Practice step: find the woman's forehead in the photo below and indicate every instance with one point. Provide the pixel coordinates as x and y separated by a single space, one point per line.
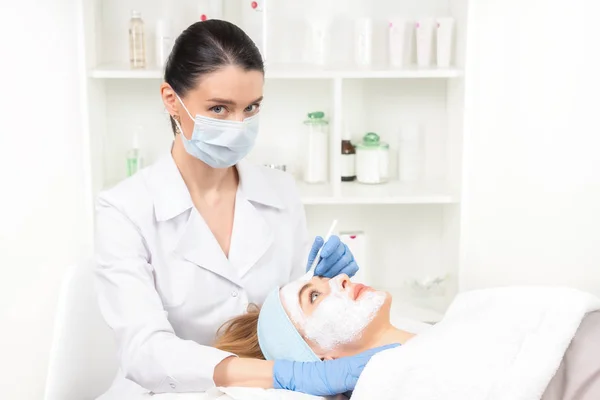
291 290
232 82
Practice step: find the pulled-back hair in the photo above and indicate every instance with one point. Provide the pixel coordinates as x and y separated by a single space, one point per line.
239 335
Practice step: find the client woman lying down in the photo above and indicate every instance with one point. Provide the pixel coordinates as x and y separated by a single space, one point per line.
314 320
486 338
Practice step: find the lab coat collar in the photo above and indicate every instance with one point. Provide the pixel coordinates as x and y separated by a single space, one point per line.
171 196
256 185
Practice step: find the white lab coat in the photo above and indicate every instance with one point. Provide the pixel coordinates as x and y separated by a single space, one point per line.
163 282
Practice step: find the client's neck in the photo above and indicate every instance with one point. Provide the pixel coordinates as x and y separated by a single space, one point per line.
390 335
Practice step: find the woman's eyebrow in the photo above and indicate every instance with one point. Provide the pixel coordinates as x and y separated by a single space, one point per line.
222 101
231 102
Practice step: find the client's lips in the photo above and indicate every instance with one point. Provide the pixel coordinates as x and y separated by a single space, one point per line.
359 288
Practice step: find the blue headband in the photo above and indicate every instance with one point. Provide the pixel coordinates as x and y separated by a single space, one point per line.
277 336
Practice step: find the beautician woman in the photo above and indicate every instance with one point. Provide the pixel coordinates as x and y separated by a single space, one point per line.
189 242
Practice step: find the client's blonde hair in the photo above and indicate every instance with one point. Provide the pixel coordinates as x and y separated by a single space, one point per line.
239 335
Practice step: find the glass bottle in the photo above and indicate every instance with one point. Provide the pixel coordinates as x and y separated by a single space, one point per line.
137 45
348 159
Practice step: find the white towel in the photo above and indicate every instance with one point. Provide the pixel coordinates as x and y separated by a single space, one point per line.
240 393
493 344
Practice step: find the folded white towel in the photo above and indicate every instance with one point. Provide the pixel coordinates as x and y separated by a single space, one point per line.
239 393
500 344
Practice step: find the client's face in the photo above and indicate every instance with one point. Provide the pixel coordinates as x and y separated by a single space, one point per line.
336 317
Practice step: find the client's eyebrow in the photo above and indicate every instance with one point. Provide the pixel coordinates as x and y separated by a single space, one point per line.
306 286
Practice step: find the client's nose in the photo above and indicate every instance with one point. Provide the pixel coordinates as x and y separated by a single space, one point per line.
344 281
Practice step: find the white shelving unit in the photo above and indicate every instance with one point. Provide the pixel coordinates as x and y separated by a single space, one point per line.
413 229
295 72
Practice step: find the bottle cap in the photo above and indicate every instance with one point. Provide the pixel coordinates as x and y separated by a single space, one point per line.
316 115
136 14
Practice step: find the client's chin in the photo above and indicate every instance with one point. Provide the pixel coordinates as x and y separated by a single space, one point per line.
367 339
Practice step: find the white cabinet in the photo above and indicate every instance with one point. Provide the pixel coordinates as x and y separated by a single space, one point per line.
412 228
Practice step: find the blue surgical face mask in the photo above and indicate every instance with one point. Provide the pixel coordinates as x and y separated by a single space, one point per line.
220 143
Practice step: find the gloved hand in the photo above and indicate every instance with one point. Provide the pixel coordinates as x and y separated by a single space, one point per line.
323 378
336 258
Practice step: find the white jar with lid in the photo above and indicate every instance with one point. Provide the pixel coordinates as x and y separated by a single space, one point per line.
315 156
372 160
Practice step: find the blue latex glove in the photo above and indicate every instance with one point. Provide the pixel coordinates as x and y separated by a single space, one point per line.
323 378
336 258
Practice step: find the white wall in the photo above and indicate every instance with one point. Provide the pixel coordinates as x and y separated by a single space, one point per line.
532 162
42 196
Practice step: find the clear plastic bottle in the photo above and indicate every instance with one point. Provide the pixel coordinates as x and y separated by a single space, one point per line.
137 44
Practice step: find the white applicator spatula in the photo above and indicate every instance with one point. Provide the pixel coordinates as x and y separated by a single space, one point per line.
311 272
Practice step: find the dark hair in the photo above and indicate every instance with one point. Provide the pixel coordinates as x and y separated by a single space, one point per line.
204 47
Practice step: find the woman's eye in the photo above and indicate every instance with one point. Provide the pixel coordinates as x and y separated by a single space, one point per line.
252 108
218 109
313 297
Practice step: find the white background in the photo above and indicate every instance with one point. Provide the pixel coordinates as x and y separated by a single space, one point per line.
41 178
531 201
531 204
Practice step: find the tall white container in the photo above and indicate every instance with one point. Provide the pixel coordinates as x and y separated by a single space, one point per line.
253 16
316 150
425 35
363 41
445 33
317 46
397 39
411 154
164 41
357 243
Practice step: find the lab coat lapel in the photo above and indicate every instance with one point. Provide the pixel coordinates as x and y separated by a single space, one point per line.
199 246
251 237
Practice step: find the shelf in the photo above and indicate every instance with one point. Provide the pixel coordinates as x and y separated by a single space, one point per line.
387 193
295 72
108 72
310 72
315 194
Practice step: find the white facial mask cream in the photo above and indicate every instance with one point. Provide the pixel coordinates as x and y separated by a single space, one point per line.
289 297
338 319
